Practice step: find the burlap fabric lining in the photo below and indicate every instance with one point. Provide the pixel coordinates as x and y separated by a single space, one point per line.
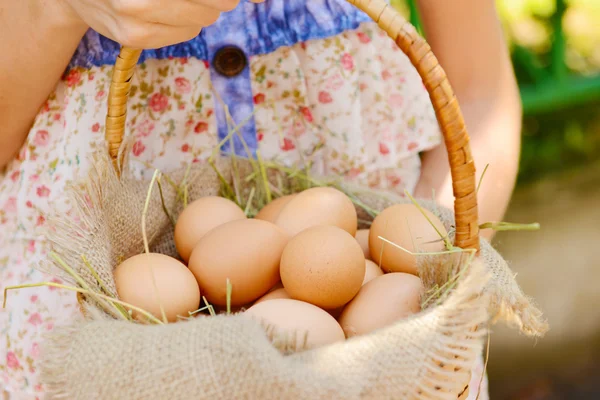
428 356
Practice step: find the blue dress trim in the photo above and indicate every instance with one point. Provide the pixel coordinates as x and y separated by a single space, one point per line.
256 28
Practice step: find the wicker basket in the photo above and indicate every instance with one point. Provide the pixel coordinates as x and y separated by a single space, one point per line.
434 78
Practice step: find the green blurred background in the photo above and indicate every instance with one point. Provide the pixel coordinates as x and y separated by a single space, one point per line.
556 53
555 46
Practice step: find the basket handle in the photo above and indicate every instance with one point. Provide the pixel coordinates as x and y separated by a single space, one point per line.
442 96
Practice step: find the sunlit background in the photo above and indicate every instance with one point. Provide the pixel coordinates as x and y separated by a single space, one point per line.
556 53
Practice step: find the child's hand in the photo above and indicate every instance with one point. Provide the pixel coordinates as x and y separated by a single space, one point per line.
148 24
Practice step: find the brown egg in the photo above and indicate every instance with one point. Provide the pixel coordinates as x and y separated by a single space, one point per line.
362 237
247 252
201 216
317 207
381 302
149 281
278 285
323 265
372 271
275 294
304 325
336 312
406 226
271 211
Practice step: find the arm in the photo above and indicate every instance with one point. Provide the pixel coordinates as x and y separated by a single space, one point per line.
38 40
467 38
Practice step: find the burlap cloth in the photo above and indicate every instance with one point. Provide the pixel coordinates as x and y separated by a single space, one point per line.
428 356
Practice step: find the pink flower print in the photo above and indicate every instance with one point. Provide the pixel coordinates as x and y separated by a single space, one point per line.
49 326
363 37
34 298
386 75
297 129
31 246
138 148
73 77
57 117
181 106
158 102
29 204
394 180
185 148
11 205
412 146
396 100
100 95
384 149
40 220
287 145
96 127
91 76
145 128
182 85
209 113
307 114
206 64
259 98
43 191
347 61
12 361
41 139
35 319
353 173
335 82
54 280
35 351
201 127
325 97
260 136
15 176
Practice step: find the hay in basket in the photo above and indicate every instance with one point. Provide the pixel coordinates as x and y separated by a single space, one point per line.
109 355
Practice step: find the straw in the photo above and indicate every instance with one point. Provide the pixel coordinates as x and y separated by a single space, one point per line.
82 291
147 247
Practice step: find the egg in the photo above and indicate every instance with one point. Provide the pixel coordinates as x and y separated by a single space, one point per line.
275 294
372 271
278 285
324 266
316 207
247 252
406 226
362 237
149 281
271 211
304 325
381 302
201 216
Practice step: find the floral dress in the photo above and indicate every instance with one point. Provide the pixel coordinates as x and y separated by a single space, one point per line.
301 81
